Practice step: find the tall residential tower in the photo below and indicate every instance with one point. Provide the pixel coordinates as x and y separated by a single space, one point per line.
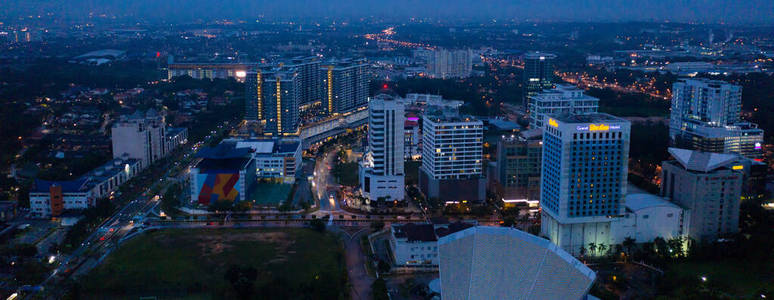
381 171
345 85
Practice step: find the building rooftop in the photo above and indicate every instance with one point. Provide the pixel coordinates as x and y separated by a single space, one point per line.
112 53
501 124
447 114
702 161
539 55
638 201
69 186
427 232
504 263
229 165
267 146
588 118
532 134
416 232
86 181
173 131
224 150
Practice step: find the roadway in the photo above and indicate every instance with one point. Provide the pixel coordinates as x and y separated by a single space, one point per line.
107 236
325 185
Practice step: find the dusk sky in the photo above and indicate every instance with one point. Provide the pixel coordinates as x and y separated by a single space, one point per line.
711 11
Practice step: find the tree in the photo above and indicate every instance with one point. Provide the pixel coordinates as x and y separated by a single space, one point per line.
376 226
318 225
661 247
676 246
31 272
379 290
628 244
221 205
601 248
171 200
242 279
582 251
383 266
593 248
508 221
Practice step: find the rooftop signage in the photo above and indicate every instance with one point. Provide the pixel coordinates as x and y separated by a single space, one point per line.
597 127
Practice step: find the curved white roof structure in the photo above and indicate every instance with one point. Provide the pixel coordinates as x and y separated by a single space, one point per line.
504 263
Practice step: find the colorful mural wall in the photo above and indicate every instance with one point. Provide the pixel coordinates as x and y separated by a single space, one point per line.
217 186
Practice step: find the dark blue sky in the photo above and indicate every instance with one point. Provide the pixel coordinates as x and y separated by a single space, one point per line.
712 11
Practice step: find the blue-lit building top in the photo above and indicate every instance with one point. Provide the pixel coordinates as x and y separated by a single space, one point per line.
584 167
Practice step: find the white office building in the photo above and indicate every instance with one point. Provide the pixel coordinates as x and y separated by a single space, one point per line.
583 178
381 170
141 136
564 99
647 217
274 158
710 186
52 198
417 244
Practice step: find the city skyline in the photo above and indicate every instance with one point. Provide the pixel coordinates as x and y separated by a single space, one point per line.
400 150
691 11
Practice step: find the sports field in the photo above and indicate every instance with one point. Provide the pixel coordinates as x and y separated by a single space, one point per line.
192 264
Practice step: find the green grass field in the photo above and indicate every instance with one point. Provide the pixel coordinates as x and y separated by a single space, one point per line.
741 279
191 264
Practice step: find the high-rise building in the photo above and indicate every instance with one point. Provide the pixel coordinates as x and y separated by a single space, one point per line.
381 170
278 102
740 138
141 136
538 74
443 63
518 167
253 96
346 85
583 178
452 146
706 117
413 138
699 101
564 99
709 185
308 69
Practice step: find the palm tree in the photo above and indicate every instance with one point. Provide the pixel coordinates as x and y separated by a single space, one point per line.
582 251
602 248
676 246
628 243
593 248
